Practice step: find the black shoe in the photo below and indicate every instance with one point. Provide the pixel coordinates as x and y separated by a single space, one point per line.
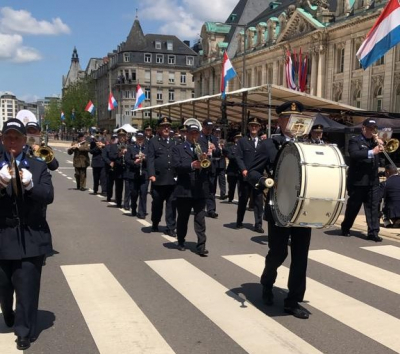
83 189
154 228
296 311
375 238
141 217
23 343
230 200
267 296
9 319
203 253
108 200
169 232
345 232
212 214
250 209
181 248
119 206
134 213
94 193
238 226
223 197
259 229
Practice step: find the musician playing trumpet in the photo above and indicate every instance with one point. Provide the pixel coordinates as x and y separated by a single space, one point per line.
81 160
363 180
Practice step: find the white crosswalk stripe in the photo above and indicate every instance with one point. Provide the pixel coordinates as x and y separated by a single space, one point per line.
380 326
243 323
361 270
110 312
385 250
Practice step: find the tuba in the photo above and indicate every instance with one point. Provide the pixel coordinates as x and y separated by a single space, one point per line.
204 161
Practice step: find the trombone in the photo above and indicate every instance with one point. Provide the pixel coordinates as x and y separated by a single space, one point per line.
389 146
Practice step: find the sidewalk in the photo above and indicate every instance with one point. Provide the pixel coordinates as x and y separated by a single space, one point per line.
361 225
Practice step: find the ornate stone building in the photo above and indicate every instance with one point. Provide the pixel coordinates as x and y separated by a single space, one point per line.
75 72
328 33
161 64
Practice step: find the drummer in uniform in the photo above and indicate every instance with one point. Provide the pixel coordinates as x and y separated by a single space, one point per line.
278 237
315 136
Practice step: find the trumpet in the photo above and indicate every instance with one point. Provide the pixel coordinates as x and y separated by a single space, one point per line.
78 145
141 157
202 157
45 153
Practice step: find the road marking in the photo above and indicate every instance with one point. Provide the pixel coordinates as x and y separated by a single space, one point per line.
143 222
361 270
240 320
379 326
7 338
69 161
69 177
170 238
385 250
115 321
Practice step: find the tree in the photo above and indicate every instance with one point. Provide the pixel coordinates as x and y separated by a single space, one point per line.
74 101
52 116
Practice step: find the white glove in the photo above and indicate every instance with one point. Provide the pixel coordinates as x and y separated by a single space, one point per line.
26 179
5 176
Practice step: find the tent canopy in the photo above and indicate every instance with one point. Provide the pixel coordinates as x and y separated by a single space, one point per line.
330 126
259 99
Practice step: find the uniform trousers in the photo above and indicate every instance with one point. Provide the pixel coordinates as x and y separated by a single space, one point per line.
245 190
127 194
232 181
99 179
159 195
369 196
210 201
138 188
184 207
80 177
278 250
220 178
119 186
23 277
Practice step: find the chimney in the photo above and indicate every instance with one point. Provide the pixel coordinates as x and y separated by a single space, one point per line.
187 43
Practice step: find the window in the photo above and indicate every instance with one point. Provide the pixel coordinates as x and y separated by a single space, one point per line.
340 54
171 59
171 77
147 94
171 95
380 61
133 75
127 94
159 77
379 99
126 75
193 94
189 61
158 45
159 58
170 45
183 78
147 114
159 95
147 58
357 99
357 64
147 76
126 57
127 110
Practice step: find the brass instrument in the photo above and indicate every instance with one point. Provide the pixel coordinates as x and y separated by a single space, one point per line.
16 176
202 157
389 146
45 153
141 157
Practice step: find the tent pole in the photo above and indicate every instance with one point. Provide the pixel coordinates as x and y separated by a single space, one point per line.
269 111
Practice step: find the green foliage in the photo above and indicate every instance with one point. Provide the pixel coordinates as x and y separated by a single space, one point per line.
52 115
74 101
153 123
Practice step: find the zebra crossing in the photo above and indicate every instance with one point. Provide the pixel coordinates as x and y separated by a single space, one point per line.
110 312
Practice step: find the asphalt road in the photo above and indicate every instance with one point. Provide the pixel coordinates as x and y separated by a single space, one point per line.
112 286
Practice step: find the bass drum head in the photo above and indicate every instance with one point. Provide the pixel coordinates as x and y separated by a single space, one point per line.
287 184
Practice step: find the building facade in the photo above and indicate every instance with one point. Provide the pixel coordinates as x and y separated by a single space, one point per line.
8 108
161 64
327 33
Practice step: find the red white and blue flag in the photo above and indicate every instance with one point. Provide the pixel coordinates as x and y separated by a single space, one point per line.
90 107
384 35
228 73
296 71
62 116
140 97
112 102
289 70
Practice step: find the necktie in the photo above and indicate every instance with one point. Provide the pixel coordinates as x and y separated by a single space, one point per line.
255 142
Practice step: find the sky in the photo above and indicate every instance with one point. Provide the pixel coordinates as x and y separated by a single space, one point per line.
37 37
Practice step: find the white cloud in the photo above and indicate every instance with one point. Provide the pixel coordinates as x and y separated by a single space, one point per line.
29 98
12 49
22 22
184 19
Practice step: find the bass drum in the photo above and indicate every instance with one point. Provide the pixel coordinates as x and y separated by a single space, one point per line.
310 185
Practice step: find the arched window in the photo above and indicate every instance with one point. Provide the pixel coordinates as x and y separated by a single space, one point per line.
379 99
357 99
338 96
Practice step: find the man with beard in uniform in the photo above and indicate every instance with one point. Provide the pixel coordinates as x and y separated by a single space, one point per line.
161 174
363 181
278 237
232 171
246 150
214 152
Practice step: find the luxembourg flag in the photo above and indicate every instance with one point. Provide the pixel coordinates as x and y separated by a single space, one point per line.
140 97
289 69
228 73
62 116
90 107
384 35
112 102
